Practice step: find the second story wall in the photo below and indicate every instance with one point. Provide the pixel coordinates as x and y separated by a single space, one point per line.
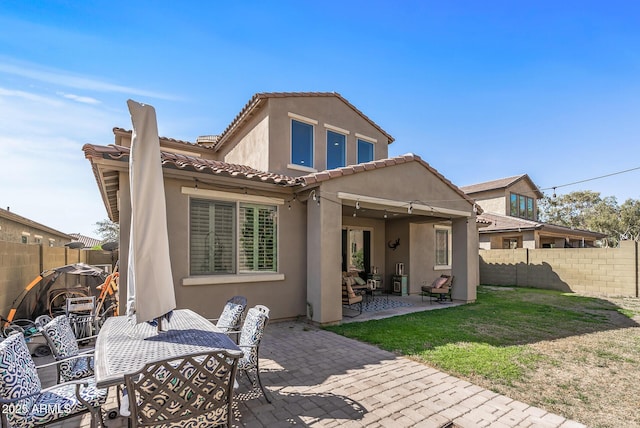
265 140
252 147
492 202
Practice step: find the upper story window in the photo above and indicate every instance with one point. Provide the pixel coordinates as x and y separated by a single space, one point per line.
232 237
336 149
365 151
301 143
522 206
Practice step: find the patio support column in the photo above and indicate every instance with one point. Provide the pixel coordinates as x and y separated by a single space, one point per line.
464 263
324 286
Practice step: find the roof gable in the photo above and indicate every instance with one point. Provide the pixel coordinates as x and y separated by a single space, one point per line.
501 183
259 99
321 176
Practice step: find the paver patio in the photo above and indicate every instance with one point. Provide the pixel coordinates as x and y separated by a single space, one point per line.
320 379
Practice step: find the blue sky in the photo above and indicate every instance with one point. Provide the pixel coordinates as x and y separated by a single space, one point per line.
480 90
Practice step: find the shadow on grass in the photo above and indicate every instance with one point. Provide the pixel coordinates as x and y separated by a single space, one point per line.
501 316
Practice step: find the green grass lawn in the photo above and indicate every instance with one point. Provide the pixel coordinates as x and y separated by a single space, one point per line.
489 338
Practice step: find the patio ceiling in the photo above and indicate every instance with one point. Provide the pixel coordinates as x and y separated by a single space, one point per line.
373 207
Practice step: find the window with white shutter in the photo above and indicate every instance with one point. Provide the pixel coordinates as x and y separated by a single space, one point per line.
217 248
212 237
257 246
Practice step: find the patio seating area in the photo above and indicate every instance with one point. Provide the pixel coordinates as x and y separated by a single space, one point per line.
317 378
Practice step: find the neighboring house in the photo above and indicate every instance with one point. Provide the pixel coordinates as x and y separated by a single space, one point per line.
86 241
511 206
15 228
297 189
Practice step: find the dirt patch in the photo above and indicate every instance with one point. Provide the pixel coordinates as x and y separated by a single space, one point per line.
591 378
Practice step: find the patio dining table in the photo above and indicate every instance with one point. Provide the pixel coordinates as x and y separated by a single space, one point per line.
123 348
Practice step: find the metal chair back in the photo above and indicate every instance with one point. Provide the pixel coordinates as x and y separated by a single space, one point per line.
250 337
196 388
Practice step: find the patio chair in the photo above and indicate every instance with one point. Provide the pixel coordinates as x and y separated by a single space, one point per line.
440 289
64 346
231 316
26 404
250 338
230 320
190 390
350 296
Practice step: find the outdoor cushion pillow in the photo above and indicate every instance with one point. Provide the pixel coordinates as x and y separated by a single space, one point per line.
439 282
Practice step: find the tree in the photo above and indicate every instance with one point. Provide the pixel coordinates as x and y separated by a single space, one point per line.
108 230
587 210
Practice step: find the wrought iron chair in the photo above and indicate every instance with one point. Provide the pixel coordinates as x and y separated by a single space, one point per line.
196 389
440 289
230 320
26 404
249 343
231 316
74 364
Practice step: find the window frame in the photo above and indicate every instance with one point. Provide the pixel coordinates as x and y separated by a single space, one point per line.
239 276
344 148
295 118
437 230
369 143
522 206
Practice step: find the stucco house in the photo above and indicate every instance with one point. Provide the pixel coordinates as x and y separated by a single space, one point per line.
15 228
511 206
297 189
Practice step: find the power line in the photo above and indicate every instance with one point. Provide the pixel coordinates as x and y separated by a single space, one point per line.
591 179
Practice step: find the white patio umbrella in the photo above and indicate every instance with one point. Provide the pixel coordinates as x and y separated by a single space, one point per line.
150 291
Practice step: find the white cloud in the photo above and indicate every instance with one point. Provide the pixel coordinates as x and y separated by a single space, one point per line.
28 96
71 80
78 98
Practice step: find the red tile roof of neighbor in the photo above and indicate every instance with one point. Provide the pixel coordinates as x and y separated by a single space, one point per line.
258 100
500 183
504 223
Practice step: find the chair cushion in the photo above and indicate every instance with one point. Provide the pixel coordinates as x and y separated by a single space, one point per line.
250 337
359 280
61 335
81 368
64 400
439 282
18 376
230 317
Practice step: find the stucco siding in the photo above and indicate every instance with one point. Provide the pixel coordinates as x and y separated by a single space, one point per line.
253 147
324 110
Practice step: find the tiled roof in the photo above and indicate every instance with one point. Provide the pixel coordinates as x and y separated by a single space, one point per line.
503 223
258 100
500 183
127 132
180 161
320 176
86 240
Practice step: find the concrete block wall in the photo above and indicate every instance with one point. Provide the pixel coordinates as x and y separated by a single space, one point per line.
598 271
21 263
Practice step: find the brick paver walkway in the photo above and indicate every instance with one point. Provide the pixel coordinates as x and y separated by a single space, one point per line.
320 379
